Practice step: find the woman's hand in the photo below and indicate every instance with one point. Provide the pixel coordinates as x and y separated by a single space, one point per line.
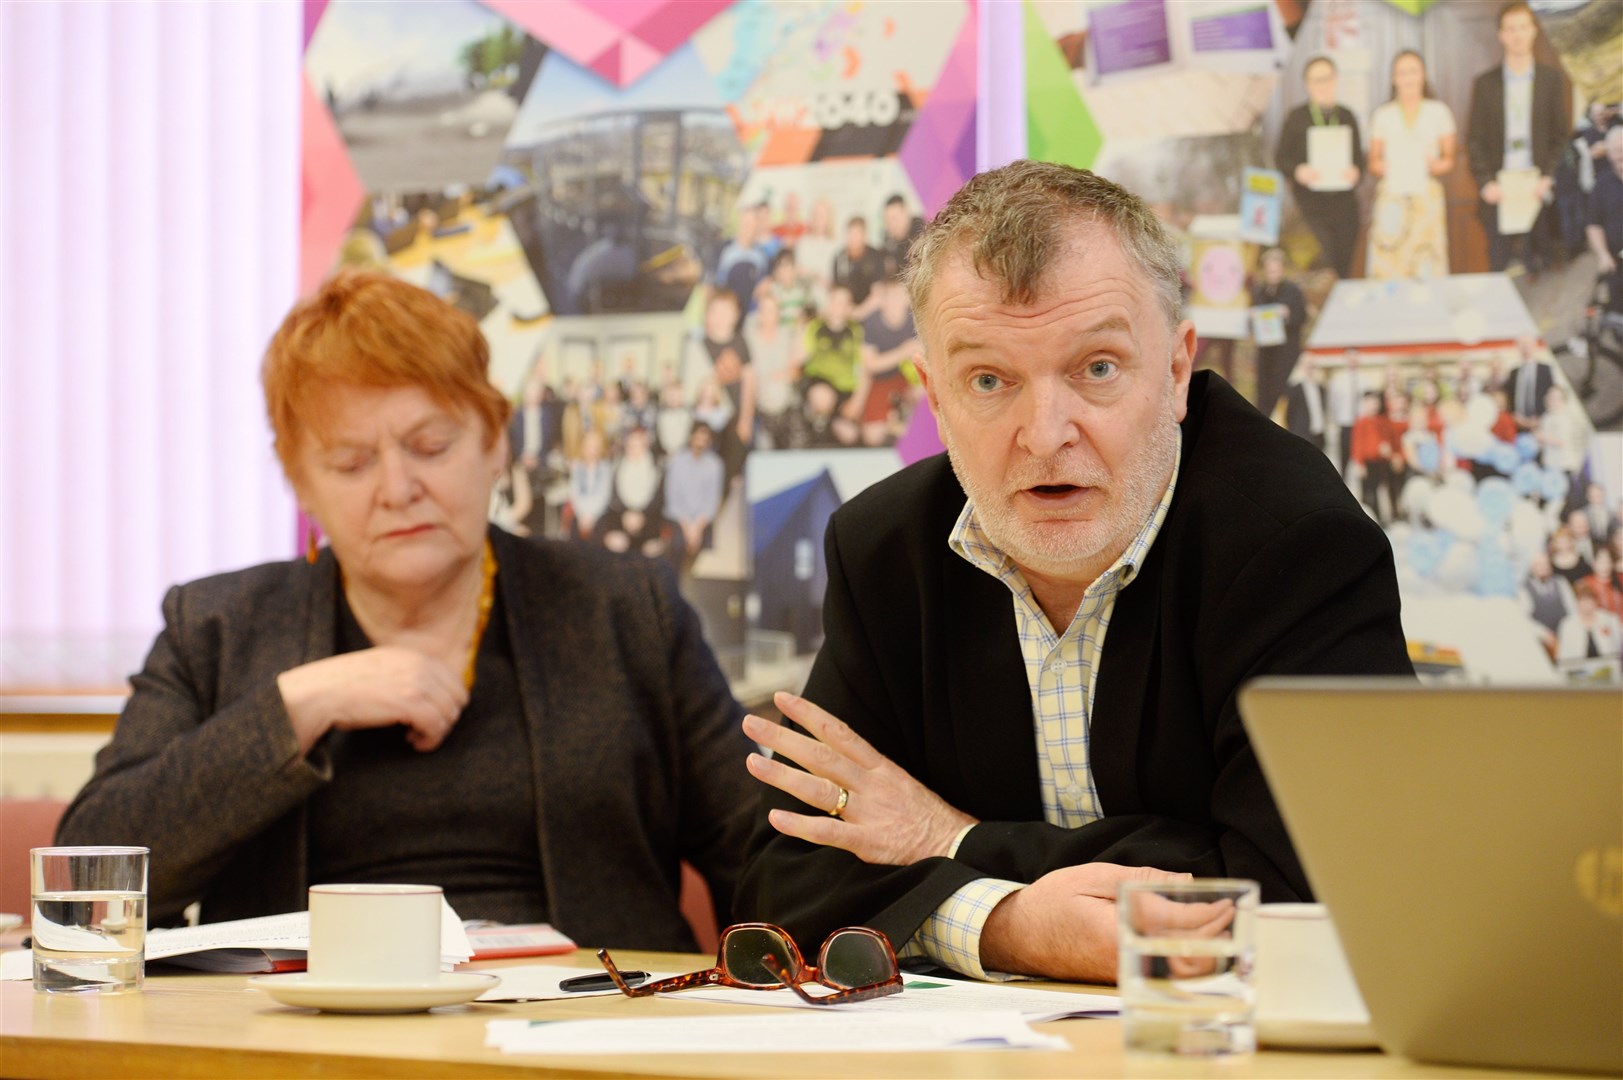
377 687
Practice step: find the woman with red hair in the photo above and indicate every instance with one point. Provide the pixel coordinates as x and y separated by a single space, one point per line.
537 727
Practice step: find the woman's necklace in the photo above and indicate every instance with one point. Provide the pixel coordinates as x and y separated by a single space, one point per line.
487 600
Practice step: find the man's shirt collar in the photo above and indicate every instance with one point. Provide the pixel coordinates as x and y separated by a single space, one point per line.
1510 76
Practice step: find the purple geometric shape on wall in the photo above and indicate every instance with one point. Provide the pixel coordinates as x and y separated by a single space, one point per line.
939 151
920 440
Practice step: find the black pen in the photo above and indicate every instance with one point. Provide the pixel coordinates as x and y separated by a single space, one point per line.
582 984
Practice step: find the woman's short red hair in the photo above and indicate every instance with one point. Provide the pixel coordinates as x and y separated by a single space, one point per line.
366 328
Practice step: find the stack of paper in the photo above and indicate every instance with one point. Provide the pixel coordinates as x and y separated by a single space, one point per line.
268 943
934 994
920 994
496 941
830 1031
272 943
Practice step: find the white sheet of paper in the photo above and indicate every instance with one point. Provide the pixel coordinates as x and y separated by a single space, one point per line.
539 982
1519 203
1329 150
287 931
931 994
770 1035
1406 172
1268 324
16 965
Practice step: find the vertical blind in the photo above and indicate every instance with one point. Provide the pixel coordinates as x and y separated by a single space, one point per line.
149 199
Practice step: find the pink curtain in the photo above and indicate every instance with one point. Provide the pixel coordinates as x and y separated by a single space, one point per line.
148 234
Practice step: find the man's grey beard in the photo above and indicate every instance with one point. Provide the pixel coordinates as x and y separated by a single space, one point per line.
1141 483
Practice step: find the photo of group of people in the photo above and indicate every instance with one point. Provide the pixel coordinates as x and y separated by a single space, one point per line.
1408 144
635 432
1481 470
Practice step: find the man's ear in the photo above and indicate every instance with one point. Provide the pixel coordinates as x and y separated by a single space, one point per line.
1184 341
922 366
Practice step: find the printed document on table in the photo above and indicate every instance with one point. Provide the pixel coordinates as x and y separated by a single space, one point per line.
16 965
770 1035
290 931
929 994
1329 150
539 982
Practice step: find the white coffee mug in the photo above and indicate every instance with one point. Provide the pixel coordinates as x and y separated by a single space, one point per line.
1301 972
370 934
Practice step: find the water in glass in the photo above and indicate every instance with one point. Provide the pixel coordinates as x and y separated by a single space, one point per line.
1187 996
89 941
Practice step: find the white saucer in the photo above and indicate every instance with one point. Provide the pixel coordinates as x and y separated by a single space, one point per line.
1303 1033
301 992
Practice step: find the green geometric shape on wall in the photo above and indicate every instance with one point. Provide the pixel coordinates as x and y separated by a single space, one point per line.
1059 126
1412 7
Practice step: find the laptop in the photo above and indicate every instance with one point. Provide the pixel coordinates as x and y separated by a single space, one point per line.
1469 845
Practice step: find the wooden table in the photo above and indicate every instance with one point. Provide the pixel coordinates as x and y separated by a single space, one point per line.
213 1026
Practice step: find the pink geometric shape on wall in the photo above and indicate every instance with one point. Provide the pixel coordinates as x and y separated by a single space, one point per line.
330 194
312 16
621 41
939 151
574 29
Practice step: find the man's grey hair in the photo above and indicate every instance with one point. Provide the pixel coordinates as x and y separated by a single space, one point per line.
1015 221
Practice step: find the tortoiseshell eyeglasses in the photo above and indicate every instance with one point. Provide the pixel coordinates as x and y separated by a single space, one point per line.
855 962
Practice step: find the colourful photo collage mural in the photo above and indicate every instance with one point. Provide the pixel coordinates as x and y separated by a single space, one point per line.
680 226
1369 312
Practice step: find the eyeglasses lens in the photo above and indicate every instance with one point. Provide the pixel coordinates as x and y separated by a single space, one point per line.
853 960
743 949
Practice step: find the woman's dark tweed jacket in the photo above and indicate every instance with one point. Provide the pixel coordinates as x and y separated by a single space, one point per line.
635 749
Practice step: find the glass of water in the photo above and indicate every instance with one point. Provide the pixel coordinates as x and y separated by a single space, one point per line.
1186 953
89 918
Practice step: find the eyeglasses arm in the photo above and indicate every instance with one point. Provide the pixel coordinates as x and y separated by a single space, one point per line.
663 986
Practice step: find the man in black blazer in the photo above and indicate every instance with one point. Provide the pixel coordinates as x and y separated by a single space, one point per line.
1524 128
1527 384
1305 415
1026 694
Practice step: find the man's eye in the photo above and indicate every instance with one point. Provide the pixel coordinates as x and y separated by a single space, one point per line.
1101 369
431 449
985 382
